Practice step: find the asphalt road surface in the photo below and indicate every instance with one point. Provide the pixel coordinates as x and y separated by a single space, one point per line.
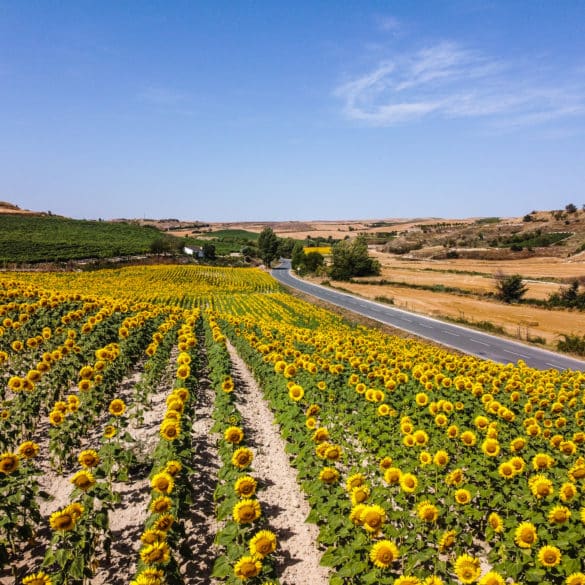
466 340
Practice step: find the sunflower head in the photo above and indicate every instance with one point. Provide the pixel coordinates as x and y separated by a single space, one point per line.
549 556
40 578
384 553
263 543
117 407
245 486
8 463
88 458
246 511
242 458
247 567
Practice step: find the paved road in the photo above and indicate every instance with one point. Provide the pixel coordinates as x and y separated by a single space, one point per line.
454 336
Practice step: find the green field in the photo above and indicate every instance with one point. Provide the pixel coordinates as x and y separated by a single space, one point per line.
25 238
225 241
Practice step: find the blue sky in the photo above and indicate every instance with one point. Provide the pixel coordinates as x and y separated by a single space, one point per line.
250 110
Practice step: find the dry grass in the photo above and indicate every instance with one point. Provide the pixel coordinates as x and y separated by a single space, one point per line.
519 321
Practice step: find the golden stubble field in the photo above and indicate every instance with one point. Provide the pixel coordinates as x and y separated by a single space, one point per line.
520 321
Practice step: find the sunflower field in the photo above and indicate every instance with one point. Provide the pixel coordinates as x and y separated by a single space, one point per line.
419 465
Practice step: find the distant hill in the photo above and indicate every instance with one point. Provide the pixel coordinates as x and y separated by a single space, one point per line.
28 236
44 238
10 208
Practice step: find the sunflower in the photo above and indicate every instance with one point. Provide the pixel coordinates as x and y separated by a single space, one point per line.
433 580
296 392
162 482
183 371
559 515
506 470
384 410
88 458
329 475
462 496
246 511
333 453
427 511
373 518
467 568
384 553
518 464
447 540
575 579
392 475
540 486
160 505
62 520
227 385
441 458
425 458
321 435
117 407
359 494
234 435
549 556
170 429
164 522
173 467
385 462
245 486
151 536
408 482
8 463
28 450
568 491
242 457
56 417
490 447
109 431
468 438
262 544
542 461
420 437
525 535
84 385
492 578
495 522
247 567
155 553
83 480
40 578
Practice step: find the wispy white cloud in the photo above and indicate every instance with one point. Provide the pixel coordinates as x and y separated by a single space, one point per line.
448 80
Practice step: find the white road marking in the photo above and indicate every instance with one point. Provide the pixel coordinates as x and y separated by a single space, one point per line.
478 341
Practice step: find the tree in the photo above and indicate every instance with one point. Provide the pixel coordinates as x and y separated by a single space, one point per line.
571 208
313 261
285 247
297 256
268 246
209 251
350 258
510 288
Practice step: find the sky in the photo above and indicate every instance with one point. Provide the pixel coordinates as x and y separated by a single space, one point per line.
249 110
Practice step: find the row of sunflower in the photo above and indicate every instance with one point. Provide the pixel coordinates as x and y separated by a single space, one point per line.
245 541
480 462
172 475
